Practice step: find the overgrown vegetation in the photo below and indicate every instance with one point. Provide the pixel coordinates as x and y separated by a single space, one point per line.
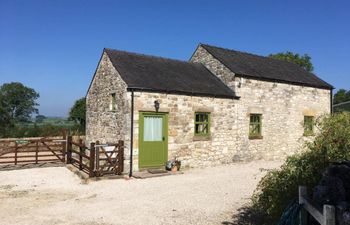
280 186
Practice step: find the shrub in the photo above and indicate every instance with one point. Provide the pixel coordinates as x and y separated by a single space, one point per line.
280 186
45 130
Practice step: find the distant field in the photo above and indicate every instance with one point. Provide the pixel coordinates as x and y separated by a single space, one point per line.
55 121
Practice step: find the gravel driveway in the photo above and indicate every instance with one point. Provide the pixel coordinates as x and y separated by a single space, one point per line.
56 196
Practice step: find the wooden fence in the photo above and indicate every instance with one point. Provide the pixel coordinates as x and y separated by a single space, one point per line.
27 151
95 160
325 216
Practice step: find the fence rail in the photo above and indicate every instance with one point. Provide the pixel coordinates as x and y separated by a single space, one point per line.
325 216
95 160
26 151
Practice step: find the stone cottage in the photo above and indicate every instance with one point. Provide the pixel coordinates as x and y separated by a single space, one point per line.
219 107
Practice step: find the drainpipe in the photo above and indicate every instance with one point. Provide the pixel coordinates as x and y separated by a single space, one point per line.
331 101
131 131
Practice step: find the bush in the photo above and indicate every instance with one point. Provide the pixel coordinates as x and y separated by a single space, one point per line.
279 187
46 130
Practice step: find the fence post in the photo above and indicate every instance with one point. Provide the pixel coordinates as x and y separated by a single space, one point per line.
80 154
97 159
69 149
92 160
302 214
16 149
36 152
120 157
328 215
64 146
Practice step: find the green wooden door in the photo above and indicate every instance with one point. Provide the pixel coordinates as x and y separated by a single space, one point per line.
153 139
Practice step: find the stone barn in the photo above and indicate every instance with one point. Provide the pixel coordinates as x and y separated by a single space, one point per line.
221 106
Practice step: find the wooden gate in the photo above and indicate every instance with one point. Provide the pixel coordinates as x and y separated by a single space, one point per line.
98 159
95 160
32 151
109 158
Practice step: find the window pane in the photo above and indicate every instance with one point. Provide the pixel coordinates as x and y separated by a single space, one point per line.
205 118
308 124
153 128
113 102
202 123
255 125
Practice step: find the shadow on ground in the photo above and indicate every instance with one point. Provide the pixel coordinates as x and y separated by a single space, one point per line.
246 216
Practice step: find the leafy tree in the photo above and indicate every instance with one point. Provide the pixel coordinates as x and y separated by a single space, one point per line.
78 111
40 118
280 186
304 61
17 104
341 96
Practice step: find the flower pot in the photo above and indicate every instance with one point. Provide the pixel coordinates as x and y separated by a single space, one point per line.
174 169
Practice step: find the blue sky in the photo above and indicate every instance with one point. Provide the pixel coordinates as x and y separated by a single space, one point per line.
54 46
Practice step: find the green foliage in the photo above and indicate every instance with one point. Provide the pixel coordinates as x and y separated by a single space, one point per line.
341 96
17 104
40 118
43 130
280 186
78 112
304 61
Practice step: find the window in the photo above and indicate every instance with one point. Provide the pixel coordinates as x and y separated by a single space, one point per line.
308 125
113 103
255 126
202 124
153 128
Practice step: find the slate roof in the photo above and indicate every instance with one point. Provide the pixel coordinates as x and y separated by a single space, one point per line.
265 68
157 74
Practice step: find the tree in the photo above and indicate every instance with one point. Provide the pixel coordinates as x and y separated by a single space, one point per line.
40 118
304 61
17 104
341 96
78 111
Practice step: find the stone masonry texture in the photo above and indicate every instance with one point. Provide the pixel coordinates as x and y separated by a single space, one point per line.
282 106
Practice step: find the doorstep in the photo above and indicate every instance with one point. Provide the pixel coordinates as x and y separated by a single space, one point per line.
155 173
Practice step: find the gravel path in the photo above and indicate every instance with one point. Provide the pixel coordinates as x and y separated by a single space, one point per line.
46 196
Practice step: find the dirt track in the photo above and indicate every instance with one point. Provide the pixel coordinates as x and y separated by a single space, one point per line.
55 195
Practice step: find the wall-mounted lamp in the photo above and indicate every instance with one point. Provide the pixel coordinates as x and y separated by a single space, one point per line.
156 105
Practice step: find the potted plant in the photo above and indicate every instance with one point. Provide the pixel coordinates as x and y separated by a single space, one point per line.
173 165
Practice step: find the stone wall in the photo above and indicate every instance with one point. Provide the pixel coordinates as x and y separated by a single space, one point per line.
215 66
102 123
193 152
283 107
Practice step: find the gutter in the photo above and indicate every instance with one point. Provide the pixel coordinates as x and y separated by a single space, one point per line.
189 93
